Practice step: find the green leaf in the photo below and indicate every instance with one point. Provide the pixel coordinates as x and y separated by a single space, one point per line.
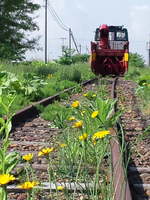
8 127
11 160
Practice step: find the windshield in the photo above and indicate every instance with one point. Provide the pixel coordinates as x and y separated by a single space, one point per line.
121 36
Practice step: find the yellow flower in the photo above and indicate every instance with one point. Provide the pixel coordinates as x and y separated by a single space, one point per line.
28 185
63 145
45 151
72 118
60 188
6 178
75 104
100 134
85 95
83 137
78 124
28 156
94 95
94 114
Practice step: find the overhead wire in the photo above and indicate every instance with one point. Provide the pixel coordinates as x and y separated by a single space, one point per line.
57 18
59 24
59 21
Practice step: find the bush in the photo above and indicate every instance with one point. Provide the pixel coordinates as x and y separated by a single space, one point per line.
57 113
136 60
80 58
71 74
69 58
76 76
65 60
56 86
43 71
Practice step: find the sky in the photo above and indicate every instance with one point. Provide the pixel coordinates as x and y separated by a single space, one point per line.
84 16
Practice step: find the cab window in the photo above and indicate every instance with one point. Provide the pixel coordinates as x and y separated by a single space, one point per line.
121 36
97 35
111 36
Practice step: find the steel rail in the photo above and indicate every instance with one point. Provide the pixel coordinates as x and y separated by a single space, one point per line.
120 182
31 110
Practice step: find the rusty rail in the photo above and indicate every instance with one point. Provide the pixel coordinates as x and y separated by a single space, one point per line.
31 111
120 182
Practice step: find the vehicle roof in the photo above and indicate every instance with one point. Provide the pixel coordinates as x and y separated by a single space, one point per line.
116 28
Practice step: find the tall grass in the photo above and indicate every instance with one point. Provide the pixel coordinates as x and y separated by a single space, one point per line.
45 79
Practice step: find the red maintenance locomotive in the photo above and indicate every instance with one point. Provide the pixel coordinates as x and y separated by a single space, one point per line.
110 51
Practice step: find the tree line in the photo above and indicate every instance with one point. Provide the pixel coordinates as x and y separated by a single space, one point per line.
16 21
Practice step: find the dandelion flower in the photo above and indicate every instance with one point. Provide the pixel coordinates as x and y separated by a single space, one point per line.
28 156
75 104
78 124
83 136
94 114
6 178
63 145
72 118
94 95
28 185
100 134
60 188
45 151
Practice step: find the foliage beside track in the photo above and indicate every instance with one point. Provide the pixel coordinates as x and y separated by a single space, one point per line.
140 73
33 81
84 141
80 154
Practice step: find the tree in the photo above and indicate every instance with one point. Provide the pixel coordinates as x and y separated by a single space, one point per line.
15 22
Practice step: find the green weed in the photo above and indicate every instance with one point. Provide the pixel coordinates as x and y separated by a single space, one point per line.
57 113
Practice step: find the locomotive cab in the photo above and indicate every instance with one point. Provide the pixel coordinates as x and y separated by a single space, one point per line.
110 50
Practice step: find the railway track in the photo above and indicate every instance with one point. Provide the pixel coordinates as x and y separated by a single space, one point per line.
35 133
133 126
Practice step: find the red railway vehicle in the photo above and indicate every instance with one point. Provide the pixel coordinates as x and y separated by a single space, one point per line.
110 50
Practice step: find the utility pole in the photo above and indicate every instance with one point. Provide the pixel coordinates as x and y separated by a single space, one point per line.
148 47
45 31
87 50
75 44
80 47
63 44
70 41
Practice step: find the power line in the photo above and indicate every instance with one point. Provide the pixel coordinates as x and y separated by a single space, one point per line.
59 21
57 18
